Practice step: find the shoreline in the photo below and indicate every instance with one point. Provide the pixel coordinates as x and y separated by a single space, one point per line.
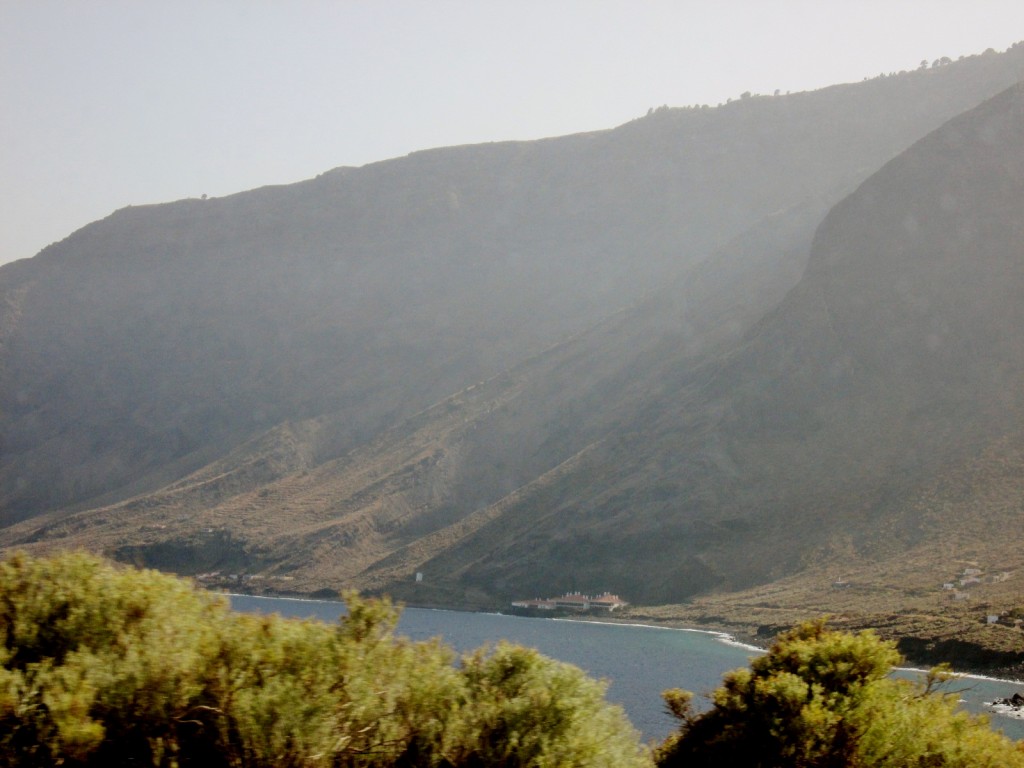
979 690
720 633
729 638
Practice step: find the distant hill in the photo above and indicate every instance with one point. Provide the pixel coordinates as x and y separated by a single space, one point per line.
704 351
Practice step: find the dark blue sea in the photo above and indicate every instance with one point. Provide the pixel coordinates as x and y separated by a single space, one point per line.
639 662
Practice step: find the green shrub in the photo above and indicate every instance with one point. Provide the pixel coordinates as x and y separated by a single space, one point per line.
104 666
822 699
529 711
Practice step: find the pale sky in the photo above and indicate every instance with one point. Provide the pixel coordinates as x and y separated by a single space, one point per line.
108 103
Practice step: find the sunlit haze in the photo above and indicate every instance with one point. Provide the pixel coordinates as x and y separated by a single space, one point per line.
108 104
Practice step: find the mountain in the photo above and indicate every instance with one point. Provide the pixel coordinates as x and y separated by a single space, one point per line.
703 352
153 342
895 361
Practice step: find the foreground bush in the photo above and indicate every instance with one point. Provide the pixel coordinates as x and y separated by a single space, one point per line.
101 666
821 699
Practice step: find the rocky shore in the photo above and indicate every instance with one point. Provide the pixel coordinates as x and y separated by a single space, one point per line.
1010 707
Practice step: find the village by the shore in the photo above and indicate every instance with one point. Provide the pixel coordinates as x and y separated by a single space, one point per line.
570 602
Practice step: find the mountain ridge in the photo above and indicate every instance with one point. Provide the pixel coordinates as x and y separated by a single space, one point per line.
731 421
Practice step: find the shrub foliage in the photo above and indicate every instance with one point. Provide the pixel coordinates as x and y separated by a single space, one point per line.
103 666
823 699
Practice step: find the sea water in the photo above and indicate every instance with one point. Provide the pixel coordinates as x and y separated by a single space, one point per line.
637 661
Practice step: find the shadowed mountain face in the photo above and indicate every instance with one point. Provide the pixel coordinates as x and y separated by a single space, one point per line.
643 400
897 357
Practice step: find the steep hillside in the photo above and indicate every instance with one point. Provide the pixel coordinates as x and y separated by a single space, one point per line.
271 507
830 437
896 359
152 343
934 593
865 429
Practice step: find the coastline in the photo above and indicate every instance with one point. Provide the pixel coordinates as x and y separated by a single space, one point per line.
745 637
747 640
980 691
635 662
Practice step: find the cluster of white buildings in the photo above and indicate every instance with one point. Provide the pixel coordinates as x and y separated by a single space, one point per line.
573 601
972 577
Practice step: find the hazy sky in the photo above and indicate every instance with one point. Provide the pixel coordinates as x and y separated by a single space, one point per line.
108 103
